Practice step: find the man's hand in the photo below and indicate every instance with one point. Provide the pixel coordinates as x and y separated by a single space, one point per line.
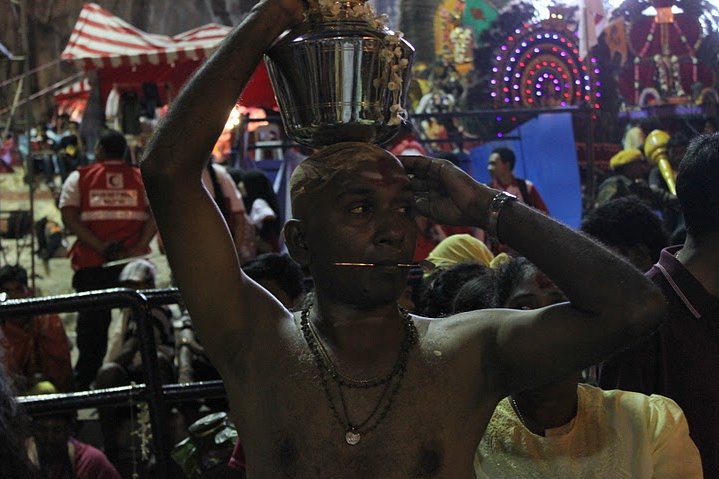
292 10
135 251
114 251
446 194
185 375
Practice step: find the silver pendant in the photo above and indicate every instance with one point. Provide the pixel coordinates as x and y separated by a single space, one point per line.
352 437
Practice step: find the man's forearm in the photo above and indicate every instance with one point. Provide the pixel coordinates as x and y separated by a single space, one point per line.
72 221
607 284
193 124
149 230
86 236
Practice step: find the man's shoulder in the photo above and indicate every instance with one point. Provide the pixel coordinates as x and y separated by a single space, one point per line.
98 165
71 180
654 274
529 185
525 186
675 281
109 164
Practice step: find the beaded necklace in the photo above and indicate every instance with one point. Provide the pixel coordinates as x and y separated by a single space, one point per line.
328 371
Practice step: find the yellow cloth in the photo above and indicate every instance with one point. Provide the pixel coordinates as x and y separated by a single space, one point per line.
625 157
457 249
499 260
616 434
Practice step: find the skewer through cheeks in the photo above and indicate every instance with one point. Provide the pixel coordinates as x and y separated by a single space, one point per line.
377 265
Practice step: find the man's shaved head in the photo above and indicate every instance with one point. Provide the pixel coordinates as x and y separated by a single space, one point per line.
352 202
322 166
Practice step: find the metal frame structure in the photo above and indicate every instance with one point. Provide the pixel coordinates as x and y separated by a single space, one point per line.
152 391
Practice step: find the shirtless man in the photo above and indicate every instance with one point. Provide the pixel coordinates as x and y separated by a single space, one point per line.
352 386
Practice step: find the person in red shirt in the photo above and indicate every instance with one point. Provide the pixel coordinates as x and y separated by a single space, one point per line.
58 455
501 169
32 348
104 205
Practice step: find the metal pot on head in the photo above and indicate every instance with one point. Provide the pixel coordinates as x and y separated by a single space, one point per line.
342 78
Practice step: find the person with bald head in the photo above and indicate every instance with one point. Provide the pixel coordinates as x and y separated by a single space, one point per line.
353 386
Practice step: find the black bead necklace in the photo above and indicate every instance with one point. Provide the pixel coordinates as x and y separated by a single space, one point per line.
328 371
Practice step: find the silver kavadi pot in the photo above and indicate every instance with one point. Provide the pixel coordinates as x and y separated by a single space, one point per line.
342 78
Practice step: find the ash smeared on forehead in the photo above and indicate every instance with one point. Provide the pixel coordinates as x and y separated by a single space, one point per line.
323 166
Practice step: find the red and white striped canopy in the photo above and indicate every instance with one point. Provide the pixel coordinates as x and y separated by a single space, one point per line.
80 88
101 40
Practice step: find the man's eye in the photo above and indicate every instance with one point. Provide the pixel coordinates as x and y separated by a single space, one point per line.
405 210
359 209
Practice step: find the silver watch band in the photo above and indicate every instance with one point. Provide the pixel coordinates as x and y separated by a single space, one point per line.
495 209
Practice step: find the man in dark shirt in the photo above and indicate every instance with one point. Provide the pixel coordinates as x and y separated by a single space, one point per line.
679 359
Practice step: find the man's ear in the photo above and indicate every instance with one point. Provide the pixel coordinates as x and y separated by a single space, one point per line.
296 243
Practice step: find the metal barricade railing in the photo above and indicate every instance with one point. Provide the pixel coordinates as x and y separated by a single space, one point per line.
153 392
118 396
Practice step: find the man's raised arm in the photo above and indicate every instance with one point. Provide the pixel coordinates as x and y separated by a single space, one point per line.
224 304
610 302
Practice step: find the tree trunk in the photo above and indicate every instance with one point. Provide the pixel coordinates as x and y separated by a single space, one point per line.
417 23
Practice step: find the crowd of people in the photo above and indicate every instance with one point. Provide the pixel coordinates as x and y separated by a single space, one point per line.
502 344
103 205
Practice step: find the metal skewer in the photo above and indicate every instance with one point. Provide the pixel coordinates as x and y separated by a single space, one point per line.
376 265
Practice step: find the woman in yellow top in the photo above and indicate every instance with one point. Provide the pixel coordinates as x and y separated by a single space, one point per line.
568 429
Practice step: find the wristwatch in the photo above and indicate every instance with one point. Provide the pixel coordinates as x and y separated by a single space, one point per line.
495 208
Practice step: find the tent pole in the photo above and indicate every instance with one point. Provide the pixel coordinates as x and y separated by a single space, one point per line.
15 101
30 171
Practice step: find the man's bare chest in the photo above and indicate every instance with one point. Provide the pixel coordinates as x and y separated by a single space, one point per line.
296 418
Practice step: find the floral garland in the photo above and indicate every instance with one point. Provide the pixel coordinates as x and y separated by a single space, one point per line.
391 54
677 76
461 39
669 75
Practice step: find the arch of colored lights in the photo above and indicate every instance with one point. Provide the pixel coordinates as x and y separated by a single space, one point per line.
539 66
